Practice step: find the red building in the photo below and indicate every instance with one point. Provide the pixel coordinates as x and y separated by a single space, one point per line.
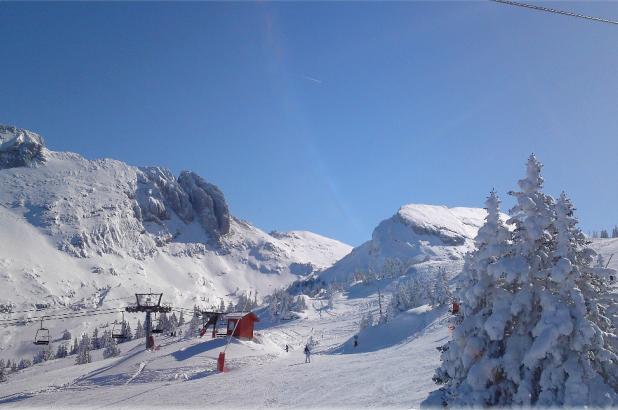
246 322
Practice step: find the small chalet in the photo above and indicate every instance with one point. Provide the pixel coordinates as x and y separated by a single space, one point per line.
246 322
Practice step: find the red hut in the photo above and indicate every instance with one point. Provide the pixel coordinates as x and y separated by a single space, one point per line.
246 322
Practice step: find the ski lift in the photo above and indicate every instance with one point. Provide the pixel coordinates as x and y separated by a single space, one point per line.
42 336
118 330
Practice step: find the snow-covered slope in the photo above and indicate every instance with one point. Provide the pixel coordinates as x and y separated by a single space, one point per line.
80 234
391 367
420 236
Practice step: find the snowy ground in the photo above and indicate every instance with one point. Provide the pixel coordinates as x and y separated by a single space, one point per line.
392 367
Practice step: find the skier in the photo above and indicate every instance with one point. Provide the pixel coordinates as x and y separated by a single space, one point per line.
355 340
307 354
287 348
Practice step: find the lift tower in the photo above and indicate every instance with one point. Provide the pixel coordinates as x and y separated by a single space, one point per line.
148 303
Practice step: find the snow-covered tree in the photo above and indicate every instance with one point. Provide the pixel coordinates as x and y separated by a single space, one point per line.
126 331
527 337
300 305
366 321
173 323
2 374
615 232
43 355
181 319
24 363
111 348
410 293
194 325
440 291
604 234
139 330
75 346
66 335
62 351
83 350
94 340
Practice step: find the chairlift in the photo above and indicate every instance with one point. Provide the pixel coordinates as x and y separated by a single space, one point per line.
118 330
42 336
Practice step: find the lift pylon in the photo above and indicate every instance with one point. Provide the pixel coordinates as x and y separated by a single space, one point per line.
148 303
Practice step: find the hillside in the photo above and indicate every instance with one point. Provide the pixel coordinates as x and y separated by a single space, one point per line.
80 234
420 237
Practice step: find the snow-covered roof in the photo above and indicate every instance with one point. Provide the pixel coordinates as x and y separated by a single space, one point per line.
240 315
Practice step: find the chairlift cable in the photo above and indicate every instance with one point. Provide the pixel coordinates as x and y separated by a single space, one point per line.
15 322
556 11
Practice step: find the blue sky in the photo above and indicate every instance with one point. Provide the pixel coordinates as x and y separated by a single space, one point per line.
326 116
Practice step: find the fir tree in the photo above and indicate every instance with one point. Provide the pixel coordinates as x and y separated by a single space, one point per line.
83 351
62 351
527 337
43 355
2 374
96 343
24 363
75 347
111 349
66 335
181 319
126 331
139 330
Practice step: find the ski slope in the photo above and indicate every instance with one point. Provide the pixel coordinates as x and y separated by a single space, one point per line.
391 367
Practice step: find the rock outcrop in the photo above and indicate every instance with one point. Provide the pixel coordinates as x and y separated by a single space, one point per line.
20 148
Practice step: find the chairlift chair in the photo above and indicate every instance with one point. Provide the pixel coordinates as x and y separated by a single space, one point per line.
42 336
118 331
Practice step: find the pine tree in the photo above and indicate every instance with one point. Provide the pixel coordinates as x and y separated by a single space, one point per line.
194 324
111 348
615 232
62 351
126 331
527 337
83 351
14 367
366 321
2 374
24 363
66 335
604 234
139 330
75 347
43 355
440 292
96 343
181 319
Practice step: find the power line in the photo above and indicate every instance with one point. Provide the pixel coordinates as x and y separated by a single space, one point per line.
550 10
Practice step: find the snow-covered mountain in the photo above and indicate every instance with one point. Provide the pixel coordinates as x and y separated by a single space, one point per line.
419 236
79 233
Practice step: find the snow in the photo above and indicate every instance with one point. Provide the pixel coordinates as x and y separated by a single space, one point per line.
183 372
79 234
420 236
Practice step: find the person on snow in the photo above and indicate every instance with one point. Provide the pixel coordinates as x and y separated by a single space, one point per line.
287 348
307 354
